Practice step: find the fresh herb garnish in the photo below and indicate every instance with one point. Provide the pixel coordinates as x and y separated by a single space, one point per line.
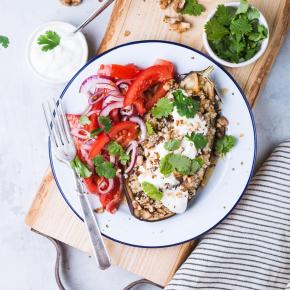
104 168
84 120
81 169
96 132
172 145
151 190
162 109
185 105
105 122
49 40
199 140
182 164
192 7
236 35
4 41
225 144
116 149
150 130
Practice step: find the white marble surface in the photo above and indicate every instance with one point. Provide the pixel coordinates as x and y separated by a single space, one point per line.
27 260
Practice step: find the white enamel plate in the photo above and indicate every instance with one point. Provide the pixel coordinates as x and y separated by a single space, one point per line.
228 181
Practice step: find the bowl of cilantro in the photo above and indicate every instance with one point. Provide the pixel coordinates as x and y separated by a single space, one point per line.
236 34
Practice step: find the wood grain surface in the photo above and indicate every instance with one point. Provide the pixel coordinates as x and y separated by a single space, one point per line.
139 20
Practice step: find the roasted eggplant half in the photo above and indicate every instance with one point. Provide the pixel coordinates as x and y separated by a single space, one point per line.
174 158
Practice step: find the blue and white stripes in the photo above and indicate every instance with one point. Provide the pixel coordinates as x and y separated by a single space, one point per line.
250 249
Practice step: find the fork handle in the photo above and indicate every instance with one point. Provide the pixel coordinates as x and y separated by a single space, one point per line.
94 232
97 242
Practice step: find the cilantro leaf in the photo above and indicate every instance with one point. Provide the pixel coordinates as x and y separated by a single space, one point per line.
105 122
243 8
223 14
185 105
49 40
4 41
181 163
104 168
151 190
116 149
196 164
172 145
81 169
253 13
162 109
240 26
84 120
225 144
96 132
192 7
199 140
150 130
166 167
215 31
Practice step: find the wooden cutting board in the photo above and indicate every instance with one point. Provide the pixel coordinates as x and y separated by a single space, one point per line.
138 20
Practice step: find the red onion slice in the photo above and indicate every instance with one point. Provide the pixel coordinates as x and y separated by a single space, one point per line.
142 126
95 99
106 111
105 186
132 150
113 159
80 133
93 112
91 83
111 99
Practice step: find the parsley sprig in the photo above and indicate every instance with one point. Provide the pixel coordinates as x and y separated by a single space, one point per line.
180 163
225 145
192 7
199 140
49 40
151 190
163 108
81 169
104 168
185 105
236 35
4 41
116 149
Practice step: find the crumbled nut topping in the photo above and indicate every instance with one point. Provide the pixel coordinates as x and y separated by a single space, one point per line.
71 2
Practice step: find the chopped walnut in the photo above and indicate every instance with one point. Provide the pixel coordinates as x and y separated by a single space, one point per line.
165 3
99 210
177 24
221 125
178 5
70 2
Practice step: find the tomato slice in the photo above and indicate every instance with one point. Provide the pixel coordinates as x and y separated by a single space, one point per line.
117 71
146 79
124 132
160 93
98 145
91 184
112 200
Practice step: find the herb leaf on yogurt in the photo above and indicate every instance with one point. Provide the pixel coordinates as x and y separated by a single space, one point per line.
196 164
192 7
163 108
185 105
49 40
199 140
151 190
4 41
172 145
81 169
225 144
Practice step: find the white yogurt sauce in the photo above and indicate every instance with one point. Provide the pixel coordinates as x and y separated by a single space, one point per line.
62 62
175 200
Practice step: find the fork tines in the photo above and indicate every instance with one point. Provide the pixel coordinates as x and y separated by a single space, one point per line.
56 122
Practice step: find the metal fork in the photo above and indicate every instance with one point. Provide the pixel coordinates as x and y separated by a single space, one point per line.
65 151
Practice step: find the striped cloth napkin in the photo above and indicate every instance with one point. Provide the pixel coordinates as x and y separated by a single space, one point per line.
250 249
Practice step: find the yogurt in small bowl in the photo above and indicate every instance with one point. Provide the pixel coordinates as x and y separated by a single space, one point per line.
62 62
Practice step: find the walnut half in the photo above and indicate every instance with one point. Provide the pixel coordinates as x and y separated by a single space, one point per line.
177 23
70 2
165 3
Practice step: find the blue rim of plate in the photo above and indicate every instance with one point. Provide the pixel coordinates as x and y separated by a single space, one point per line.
217 64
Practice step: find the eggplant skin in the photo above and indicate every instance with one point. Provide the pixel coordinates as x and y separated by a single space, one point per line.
141 206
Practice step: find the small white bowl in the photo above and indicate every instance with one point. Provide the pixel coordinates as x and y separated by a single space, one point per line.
264 43
49 26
